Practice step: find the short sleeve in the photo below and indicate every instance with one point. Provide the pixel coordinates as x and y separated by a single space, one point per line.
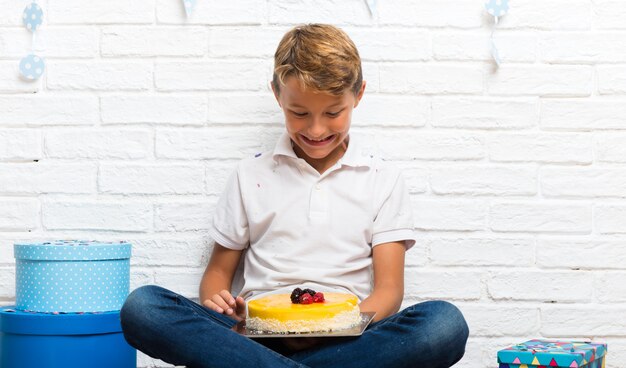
229 225
394 220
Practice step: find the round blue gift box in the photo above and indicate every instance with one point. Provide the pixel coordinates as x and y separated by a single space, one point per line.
35 340
72 276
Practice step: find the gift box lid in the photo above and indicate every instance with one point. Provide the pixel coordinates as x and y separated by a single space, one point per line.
19 322
553 353
72 250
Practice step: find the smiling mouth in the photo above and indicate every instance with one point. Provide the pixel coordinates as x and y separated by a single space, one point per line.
317 142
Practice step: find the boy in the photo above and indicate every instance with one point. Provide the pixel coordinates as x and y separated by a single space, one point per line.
319 212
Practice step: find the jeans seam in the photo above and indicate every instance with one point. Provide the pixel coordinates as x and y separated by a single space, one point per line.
223 320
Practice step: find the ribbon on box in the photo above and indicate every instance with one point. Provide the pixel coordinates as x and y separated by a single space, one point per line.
32 66
496 8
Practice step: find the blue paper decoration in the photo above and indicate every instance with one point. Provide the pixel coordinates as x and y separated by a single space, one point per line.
32 67
371 5
189 6
32 17
497 8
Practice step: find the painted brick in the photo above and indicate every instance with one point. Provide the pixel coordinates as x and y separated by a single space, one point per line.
408 144
450 215
582 47
581 114
484 180
501 320
48 110
244 108
481 251
430 79
544 286
582 320
442 284
151 179
311 11
47 177
434 14
109 12
70 42
99 75
388 110
250 42
19 214
610 147
549 15
560 148
391 44
97 215
184 216
155 109
11 82
609 287
154 41
213 12
611 219
543 216
609 14
187 251
211 76
512 46
99 143
611 79
582 182
541 80
212 143
582 253
484 113
20 144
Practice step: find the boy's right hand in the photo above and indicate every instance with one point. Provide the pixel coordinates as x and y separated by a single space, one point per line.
223 302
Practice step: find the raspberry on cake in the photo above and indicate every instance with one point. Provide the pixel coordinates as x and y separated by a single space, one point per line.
303 311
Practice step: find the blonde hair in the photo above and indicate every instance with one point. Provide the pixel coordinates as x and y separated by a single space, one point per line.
321 56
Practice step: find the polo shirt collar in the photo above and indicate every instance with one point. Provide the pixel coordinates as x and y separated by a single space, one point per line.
354 156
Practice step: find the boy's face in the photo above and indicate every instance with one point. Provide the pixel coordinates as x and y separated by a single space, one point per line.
317 123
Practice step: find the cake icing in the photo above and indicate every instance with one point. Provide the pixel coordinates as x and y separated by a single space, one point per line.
277 313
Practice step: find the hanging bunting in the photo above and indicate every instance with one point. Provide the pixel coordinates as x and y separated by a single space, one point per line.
32 66
189 6
371 5
496 8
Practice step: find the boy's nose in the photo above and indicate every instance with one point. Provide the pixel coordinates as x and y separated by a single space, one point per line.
316 129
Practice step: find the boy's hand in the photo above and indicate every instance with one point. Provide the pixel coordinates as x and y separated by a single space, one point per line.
224 302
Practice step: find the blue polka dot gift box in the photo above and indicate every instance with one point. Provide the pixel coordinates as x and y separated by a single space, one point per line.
546 354
72 276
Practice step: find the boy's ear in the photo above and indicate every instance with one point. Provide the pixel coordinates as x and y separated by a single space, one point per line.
360 94
275 92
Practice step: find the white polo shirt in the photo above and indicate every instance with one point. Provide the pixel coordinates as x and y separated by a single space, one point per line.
302 228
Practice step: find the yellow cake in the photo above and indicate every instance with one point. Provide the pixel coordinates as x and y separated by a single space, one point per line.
277 313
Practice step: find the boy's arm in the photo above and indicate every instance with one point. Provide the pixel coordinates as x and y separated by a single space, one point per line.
386 297
218 277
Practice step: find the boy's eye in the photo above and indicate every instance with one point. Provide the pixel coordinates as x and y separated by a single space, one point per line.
299 114
333 114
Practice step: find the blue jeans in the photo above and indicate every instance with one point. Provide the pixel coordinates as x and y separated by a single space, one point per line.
172 328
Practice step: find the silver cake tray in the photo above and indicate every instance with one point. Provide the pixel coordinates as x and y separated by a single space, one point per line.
366 318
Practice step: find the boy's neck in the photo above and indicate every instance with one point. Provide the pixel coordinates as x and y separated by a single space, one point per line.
323 164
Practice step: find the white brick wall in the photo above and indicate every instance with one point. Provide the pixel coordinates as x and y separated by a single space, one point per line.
517 175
